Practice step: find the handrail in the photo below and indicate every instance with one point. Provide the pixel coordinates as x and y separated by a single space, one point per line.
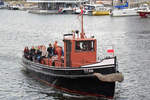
68 34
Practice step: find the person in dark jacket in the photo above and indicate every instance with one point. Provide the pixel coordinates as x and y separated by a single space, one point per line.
39 54
50 51
32 53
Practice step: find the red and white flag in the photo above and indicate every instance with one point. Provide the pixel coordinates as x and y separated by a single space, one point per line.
81 13
110 50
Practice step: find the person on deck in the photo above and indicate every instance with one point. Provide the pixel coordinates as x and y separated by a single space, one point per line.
54 49
32 53
38 54
78 46
26 52
50 51
59 52
62 51
44 52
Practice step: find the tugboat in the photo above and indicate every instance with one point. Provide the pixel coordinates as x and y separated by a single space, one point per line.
78 71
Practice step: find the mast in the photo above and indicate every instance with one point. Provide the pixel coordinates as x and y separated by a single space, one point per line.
82 29
112 5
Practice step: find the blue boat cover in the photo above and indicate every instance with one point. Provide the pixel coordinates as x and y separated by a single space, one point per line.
1 3
122 6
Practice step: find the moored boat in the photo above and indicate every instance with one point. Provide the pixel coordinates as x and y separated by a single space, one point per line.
144 14
124 10
68 10
144 11
77 71
101 10
88 9
1 4
13 7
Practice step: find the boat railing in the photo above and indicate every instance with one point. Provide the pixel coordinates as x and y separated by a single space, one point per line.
68 36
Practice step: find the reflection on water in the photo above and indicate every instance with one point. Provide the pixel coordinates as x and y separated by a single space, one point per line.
129 35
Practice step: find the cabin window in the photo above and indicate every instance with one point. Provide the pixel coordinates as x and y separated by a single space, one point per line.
89 7
84 46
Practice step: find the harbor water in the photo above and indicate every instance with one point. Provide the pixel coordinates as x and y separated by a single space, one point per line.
130 37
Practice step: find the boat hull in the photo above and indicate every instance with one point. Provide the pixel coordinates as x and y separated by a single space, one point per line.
124 12
76 81
99 13
144 14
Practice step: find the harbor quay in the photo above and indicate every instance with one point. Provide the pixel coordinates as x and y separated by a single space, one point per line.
95 7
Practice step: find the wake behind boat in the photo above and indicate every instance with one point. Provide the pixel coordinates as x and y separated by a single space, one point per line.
74 69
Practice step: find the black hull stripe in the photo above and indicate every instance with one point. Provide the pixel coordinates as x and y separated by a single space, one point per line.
33 68
72 91
56 75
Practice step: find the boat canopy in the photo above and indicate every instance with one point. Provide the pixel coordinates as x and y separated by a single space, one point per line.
1 3
122 6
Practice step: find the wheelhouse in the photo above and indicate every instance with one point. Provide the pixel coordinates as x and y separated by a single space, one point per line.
79 51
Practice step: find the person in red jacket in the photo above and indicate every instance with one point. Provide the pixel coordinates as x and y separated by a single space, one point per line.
26 52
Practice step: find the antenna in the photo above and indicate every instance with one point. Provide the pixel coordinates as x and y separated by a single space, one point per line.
82 29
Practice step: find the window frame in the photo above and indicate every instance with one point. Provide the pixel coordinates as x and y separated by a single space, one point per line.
82 41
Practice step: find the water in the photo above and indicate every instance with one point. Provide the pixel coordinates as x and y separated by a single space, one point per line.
129 35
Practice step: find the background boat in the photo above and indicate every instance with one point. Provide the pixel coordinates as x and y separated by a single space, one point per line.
144 11
1 4
124 10
101 10
66 10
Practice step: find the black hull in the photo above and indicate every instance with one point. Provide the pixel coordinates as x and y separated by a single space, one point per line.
74 80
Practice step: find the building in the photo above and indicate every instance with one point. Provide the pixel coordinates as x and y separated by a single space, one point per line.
137 3
132 3
106 2
56 4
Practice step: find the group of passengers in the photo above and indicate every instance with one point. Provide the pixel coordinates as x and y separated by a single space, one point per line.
39 52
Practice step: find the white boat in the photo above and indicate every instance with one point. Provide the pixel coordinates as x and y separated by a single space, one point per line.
65 10
143 7
124 12
13 7
1 4
1 7
130 11
101 10
144 11
89 8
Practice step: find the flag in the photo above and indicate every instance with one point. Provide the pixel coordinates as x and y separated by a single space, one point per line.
81 12
110 50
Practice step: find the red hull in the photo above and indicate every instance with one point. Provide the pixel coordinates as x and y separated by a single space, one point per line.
144 14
